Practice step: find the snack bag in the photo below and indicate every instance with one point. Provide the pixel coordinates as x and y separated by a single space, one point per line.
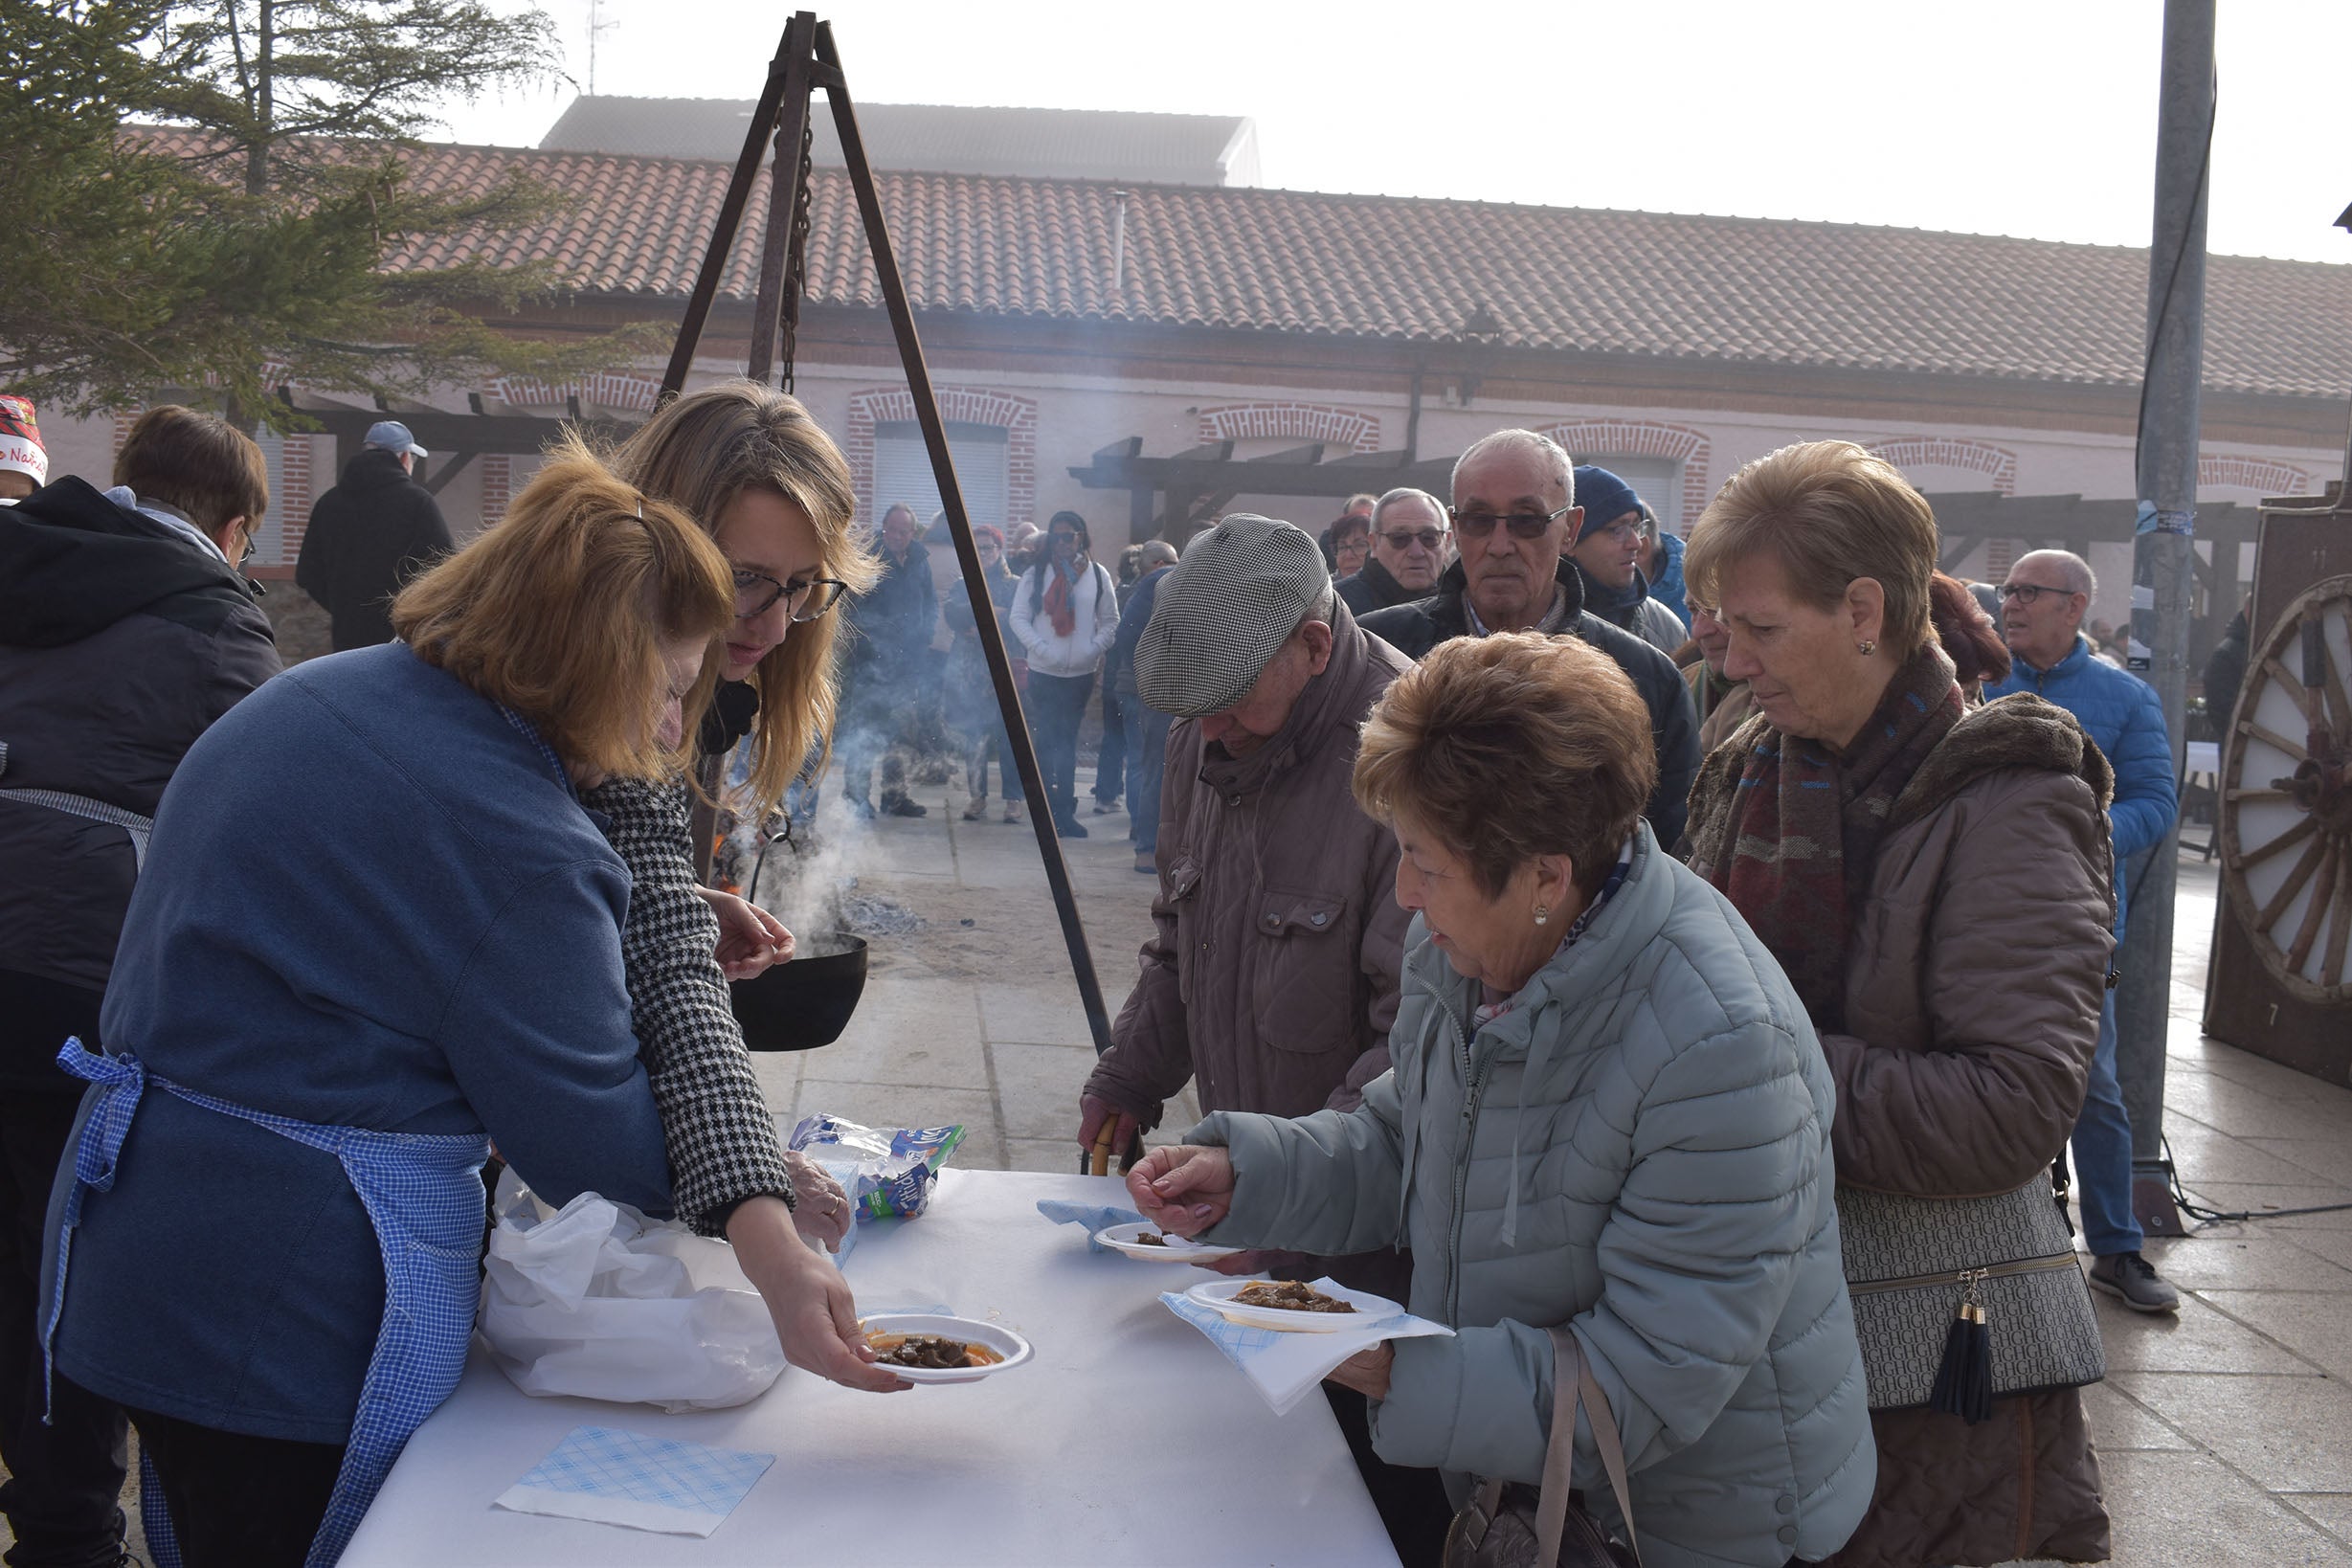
893 1167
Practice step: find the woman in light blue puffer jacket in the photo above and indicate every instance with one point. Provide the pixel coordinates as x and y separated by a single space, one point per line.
1608 1109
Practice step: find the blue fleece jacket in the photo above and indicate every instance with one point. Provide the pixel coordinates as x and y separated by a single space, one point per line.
369 902
1668 588
2125 718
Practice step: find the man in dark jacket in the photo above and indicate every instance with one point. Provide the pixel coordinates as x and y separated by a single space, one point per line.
124 631
369 535
1147 726
883 673
1513 510
1408 552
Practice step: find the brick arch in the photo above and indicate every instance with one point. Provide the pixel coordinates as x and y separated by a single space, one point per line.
2264 476
611 389
1296 421
1998 463
1014 415
1645 438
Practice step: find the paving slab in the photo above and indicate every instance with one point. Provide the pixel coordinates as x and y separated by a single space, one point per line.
2198 1338
2288 1432
2189 1509
2315 1326
2253 1261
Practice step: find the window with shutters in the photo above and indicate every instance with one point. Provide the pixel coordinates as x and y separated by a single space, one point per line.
1657 481
903 470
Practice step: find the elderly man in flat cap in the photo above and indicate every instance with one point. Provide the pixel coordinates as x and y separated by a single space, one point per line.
1270 976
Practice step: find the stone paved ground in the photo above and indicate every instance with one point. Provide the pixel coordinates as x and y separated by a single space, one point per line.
2225 1435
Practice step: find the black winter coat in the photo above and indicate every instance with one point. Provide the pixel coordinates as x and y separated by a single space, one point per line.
1414 629
1375 587
368 536
121 641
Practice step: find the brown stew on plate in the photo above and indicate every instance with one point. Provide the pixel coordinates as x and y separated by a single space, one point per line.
1289 1295
928 1352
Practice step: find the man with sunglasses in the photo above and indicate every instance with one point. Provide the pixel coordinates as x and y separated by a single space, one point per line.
1408 551
1514 512
2043 603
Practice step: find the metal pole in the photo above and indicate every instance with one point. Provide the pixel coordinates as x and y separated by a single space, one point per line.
722 247
792 122
2162 556
959 525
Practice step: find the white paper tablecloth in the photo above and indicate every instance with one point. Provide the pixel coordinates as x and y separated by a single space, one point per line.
1128 1442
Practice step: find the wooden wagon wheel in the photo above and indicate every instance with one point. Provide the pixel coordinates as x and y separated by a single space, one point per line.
2286 805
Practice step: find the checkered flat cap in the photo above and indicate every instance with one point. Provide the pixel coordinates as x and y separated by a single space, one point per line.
1225 611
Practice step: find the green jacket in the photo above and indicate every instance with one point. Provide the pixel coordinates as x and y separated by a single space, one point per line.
1639 1147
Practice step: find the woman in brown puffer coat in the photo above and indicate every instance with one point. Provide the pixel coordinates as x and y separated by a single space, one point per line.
1937 882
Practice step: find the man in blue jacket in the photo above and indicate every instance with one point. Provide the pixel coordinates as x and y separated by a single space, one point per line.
2041 606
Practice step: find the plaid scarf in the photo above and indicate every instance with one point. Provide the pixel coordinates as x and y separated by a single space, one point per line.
1795 854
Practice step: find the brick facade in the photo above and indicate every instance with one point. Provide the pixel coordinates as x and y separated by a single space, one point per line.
497 485
612 390
1016 415
2264 476
1338 427
1645 438
1998 463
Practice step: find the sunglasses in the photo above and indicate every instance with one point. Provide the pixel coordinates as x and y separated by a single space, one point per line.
1426 538
1522 525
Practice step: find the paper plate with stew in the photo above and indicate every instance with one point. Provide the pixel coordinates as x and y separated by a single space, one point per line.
924 1348
1143 1239
1325 1306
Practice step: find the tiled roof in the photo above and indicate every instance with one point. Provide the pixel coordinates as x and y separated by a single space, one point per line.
1708 289
1038 144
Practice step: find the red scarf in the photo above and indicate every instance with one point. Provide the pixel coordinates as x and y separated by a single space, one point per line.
1057 596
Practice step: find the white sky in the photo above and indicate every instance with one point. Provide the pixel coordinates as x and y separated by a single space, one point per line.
2016 117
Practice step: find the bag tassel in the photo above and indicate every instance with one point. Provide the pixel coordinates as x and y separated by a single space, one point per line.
1964 1378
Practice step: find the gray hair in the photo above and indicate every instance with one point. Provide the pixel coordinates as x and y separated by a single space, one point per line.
1406 492
2073 570
1532 440
1157 553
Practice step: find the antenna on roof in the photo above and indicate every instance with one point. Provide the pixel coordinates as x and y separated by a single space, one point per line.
596 25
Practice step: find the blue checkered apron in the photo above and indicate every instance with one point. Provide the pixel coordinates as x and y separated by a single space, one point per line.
423 1192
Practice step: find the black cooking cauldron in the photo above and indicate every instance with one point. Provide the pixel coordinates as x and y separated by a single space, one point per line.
806 1003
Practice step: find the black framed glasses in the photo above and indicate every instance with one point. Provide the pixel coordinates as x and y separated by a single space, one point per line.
1426 538
756 593
1522 525
2027 593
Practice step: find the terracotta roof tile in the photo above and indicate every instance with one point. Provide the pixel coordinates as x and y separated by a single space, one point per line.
1564 279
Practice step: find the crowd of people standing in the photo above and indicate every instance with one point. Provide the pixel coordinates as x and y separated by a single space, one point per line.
1712 1031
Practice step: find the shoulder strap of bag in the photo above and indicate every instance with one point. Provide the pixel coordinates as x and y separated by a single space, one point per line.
1572 1379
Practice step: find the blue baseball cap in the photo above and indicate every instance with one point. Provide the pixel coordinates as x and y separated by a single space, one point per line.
393 436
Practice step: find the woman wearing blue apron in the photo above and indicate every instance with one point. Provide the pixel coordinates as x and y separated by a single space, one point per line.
375 932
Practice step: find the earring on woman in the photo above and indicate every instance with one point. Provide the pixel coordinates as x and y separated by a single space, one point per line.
1867 647
1543 912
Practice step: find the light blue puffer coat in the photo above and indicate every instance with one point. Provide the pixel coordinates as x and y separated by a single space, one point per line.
1641 1147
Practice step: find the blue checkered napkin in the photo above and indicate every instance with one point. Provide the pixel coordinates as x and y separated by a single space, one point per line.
644 1482
1284 1367
1095 1217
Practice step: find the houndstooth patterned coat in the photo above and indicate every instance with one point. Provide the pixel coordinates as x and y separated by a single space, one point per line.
723 1142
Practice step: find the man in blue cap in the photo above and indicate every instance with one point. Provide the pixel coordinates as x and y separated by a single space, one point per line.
369 535
1607 553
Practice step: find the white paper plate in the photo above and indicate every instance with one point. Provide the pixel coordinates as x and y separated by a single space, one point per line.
1122 1238
1217 1295
993 1336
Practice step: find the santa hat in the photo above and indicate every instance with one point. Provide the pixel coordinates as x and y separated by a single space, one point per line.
20 439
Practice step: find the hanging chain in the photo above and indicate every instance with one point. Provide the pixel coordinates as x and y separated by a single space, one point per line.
797 259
